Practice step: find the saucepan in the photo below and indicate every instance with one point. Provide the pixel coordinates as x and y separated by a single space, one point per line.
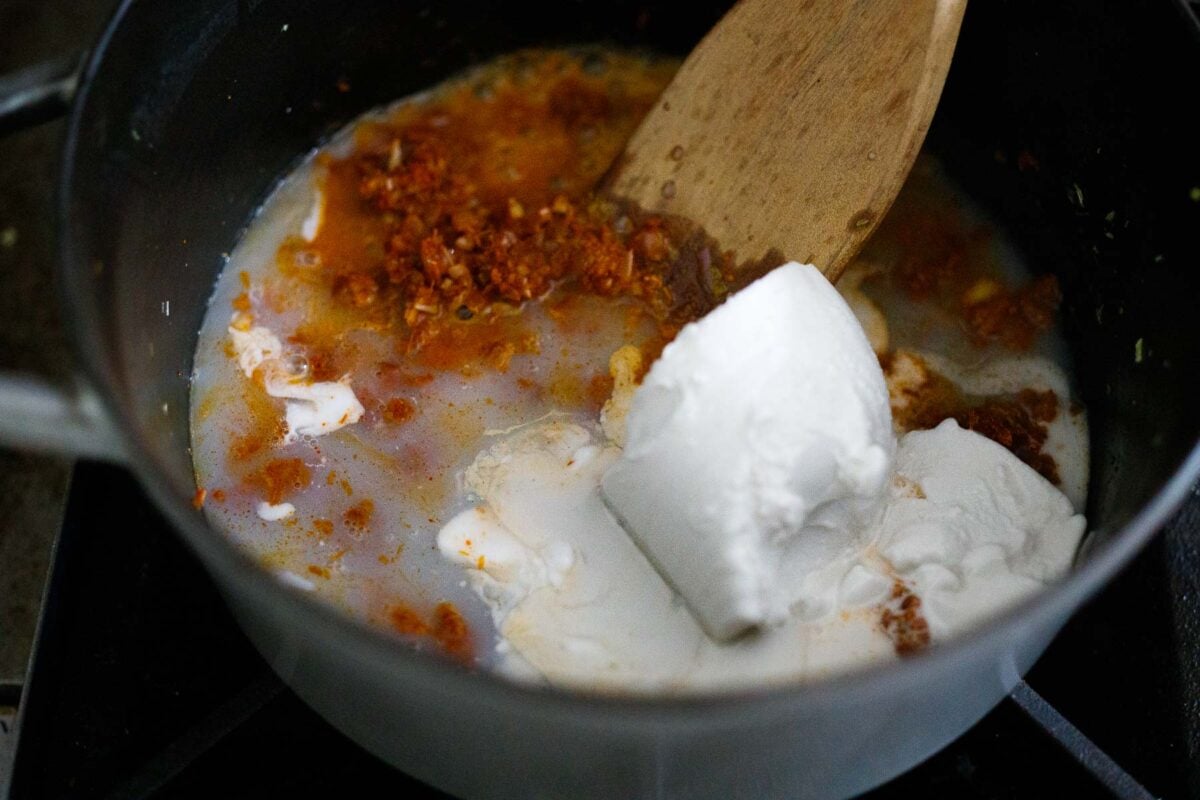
1062 119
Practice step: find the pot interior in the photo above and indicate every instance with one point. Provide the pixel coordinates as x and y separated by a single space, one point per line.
1046 121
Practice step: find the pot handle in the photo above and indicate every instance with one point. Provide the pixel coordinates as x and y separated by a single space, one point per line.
38 93
35 414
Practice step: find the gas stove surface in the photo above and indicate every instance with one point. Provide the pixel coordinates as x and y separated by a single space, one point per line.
143 686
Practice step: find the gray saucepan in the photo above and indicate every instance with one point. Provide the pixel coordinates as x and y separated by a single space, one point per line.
1062 119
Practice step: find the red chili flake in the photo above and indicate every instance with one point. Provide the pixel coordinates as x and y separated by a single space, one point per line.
451 632
281 477
241 302
359 516
903 621
398 410
406 621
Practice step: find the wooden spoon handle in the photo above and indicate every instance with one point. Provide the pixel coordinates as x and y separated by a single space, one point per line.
788 131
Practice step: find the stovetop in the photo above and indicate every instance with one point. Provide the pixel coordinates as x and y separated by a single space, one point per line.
143 686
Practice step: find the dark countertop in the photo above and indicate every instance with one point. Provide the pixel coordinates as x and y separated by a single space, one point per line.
32 488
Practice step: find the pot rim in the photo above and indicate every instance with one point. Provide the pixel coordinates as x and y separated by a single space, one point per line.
222 556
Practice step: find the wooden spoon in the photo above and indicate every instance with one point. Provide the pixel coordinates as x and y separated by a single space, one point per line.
790 128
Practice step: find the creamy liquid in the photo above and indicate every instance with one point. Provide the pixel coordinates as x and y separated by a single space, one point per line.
363 532
410 474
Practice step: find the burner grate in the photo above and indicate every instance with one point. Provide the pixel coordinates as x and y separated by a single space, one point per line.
1095 760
